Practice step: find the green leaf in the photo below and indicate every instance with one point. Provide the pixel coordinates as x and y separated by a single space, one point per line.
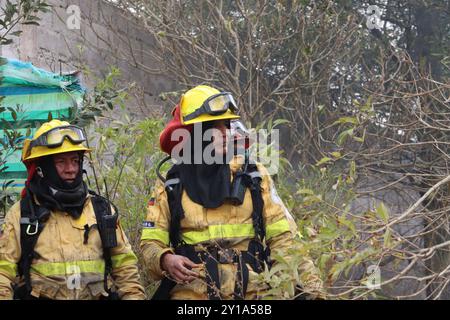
278 122
323 160
360 139
323 260
337 269
349 224
343 136
269 124
387 239
312 199
5 42
353 169
352 120
305 191
383 212
336 154
228 25
291 289
7 183
368 105
35 23
14 115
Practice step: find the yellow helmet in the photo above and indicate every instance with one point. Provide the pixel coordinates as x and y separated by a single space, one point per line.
204 103
54 137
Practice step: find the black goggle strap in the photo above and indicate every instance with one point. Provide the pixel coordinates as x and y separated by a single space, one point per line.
195 114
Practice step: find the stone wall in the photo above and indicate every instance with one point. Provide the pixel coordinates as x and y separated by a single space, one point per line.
106 36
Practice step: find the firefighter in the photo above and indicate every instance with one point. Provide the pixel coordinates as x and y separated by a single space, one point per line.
62 240
211 228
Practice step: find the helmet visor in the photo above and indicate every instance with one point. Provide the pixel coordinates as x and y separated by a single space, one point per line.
55 137
217 104
221 103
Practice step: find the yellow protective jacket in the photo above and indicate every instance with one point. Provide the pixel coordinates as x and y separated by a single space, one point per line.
65 266
227 226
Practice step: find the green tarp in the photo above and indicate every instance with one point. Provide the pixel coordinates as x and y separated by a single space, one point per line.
33 93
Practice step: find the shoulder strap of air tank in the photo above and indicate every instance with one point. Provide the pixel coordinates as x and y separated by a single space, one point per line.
32 222
174 191
106 224
254 184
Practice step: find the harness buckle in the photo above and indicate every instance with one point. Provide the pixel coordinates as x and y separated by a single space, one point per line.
227 256
222 256
36 227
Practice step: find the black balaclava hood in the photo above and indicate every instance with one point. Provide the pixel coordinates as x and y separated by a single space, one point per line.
54 193
206 184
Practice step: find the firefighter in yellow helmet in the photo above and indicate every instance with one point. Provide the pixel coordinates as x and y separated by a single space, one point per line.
210 228
60 240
